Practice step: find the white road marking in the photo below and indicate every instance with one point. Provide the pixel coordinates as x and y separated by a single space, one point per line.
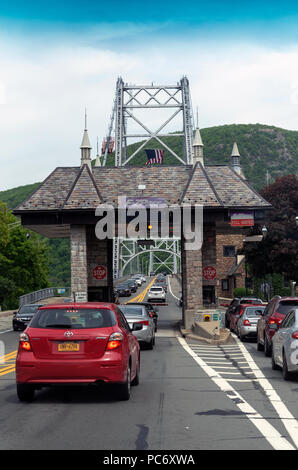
275 439
170 289
288 420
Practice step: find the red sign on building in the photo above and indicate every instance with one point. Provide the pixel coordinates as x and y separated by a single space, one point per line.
99 272
209 273
242 219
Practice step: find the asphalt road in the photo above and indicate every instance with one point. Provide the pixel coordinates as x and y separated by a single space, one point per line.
191 396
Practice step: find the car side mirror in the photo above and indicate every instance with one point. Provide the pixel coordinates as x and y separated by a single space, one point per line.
136 327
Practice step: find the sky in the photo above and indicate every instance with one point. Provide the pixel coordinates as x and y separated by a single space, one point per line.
58 58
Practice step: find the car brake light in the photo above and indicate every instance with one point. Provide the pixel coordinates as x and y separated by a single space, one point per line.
114 341
295 335
275 321
24 342
143 322
246 322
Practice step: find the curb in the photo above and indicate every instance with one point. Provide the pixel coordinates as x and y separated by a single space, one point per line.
189 334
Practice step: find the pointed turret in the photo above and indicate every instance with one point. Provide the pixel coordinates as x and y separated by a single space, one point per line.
86 147
198 155
236 160
97 161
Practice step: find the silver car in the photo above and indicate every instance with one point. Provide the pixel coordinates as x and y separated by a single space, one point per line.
285 346
138 314
248 320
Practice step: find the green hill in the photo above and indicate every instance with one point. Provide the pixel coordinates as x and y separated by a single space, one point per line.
262 148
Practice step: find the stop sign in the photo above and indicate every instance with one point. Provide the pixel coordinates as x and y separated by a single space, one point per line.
209 273
99 272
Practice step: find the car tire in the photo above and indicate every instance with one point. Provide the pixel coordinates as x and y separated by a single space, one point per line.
273 363
136 380
151 344
260 346
285 372
15 328
267 347
25 392
123 390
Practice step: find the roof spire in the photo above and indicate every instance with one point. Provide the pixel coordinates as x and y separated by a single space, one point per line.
86 146
236 160
97 161
198 155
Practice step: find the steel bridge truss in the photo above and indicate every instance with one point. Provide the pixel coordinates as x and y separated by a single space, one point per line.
129 98
127 250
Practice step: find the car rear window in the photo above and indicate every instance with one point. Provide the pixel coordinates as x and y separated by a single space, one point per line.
251 301
286 305
254 311
28 309
156 289
133 310
73 318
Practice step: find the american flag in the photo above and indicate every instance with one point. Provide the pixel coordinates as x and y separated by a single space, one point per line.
154 156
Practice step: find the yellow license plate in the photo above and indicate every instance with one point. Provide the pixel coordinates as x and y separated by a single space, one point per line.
62 347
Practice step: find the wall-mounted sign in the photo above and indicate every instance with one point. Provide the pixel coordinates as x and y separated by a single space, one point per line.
99 272
242 219
81 297
209 273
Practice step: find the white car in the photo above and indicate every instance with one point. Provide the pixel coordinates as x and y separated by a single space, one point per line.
156 293
137 279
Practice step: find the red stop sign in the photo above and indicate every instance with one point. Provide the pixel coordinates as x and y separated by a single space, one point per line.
209 273
99 272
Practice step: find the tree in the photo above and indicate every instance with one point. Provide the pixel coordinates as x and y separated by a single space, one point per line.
278 252
23 261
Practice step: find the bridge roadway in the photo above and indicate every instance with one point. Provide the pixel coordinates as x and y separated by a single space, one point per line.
191 396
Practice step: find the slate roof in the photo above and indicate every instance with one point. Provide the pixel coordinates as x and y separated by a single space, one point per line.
214 186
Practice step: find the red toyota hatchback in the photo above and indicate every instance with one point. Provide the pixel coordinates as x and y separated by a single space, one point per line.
77 344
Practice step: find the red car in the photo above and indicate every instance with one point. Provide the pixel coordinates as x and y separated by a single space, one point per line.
77 344
275 312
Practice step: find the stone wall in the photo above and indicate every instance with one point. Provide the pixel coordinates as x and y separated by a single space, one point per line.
191 284
78 259
225 263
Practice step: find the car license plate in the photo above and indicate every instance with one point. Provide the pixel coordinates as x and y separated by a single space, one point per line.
68 347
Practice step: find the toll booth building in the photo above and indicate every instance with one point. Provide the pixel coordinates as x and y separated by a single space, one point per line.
64 206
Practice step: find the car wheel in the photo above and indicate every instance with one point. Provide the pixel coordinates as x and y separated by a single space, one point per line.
267 348
260 346
285 372
25 392
240 336
273 363
15 328
136 380
123 390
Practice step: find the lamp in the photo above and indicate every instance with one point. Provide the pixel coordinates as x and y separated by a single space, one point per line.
265 231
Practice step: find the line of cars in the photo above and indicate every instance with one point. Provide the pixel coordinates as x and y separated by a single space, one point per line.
274 325
157 293
128 287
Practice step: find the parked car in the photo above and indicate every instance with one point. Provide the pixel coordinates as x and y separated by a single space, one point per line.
246 326
138 315
23 316
151 310
284 346
77 344
270 321
123 290
237 301
156 294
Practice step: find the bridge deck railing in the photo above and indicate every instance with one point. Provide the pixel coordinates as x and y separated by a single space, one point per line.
41 294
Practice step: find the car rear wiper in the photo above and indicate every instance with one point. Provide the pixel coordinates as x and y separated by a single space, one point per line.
59 325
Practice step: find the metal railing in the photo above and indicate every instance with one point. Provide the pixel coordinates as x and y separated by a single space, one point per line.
33 297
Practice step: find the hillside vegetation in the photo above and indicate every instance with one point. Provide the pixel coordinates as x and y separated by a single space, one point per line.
262 148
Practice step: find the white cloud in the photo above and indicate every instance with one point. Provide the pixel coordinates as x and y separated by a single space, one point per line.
43 93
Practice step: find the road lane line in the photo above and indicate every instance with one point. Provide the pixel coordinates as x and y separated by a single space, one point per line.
288 420
275 439
170 289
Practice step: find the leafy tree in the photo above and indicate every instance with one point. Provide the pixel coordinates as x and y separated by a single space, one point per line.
23 261
278 252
